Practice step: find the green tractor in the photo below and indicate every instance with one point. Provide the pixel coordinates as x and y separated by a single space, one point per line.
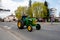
29 23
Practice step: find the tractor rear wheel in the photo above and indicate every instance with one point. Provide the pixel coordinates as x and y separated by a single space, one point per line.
20 24
29 28
38 27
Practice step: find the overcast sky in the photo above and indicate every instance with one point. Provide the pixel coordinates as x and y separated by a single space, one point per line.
13 4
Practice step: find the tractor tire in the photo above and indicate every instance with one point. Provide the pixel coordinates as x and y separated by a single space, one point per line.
29 28
20 24
38 27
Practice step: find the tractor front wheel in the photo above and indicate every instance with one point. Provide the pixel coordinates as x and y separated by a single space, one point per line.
20 24
38 27
29 28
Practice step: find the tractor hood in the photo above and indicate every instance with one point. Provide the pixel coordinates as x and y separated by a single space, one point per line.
33 20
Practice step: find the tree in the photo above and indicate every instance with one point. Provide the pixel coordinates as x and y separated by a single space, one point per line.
46 4
29 12
39 9
20 11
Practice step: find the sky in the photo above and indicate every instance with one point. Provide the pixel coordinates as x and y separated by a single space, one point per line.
13 4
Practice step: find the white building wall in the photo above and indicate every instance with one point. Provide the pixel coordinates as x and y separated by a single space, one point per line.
53 12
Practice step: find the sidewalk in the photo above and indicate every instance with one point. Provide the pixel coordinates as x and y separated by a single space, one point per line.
48 22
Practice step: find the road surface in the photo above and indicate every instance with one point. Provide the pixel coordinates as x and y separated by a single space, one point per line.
6 35
48 31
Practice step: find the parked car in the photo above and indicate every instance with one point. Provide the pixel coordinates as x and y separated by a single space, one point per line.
40 20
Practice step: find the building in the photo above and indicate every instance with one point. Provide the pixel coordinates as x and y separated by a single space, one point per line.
57 19
53 12
10 18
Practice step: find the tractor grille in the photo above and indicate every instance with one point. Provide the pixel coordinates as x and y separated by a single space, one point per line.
34 21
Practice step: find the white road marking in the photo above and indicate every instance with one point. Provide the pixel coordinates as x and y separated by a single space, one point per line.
7 27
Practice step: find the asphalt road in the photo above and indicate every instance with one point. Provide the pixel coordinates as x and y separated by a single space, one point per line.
48 31
6 35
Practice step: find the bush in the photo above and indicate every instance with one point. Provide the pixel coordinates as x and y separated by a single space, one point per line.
56 20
